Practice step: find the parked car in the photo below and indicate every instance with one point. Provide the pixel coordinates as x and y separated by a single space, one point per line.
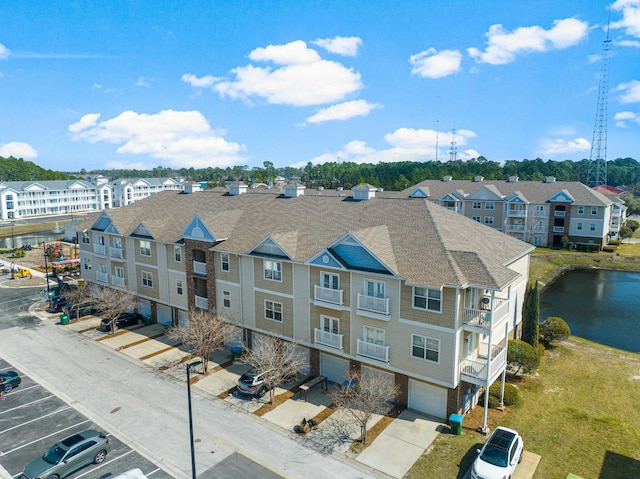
57 304
124 320
11 380
499 456
69 455
79 310
253 384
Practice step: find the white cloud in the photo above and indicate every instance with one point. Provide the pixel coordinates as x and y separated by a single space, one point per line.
623 118
343 111
433 64
144 81
301 78
18 149
347 46
4 52
504 46
628 43
183 138
631 91
551 147
630 16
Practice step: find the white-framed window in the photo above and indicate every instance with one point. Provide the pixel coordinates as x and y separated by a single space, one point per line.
179 287
423 347
592 226
375 289
145 248
489 205
477 218
272 270
476 205
329 324
102 268
273 310
147 279
224 262
579 226
87 264
226 299
118 272
374 335
85 237
177 254
594 210
100 240
427 298
488 220
580 210
539 209
117 242
330 280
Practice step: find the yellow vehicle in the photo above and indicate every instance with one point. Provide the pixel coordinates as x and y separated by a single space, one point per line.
21 273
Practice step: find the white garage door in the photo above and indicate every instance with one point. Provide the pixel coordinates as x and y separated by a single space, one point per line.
333 368
164 314
428 399
144 307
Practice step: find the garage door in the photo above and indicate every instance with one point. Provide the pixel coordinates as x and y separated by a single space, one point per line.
333 368
144 307
164 314
428 399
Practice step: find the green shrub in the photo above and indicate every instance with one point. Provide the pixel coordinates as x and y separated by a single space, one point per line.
511 394
633 224
554 329
494 402
614 242
521 357
608 249
587 247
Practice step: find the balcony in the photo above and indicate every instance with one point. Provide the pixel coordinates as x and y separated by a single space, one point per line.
333 340
373 351
202 303
515 228
328 295
558 229
199 268
117 282
479 370
102 277
484 318
559 214
116 253
373 307
517 213
100 249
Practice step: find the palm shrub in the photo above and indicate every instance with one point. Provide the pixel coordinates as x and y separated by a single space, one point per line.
554 329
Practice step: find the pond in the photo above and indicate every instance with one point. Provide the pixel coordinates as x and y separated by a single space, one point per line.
32 239
599 305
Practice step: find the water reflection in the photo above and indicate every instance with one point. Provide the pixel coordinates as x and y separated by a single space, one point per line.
32 239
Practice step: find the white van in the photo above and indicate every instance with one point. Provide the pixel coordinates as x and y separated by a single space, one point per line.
132 474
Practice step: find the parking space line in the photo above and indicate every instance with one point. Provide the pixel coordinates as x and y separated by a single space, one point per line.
4 453
28 404
157 469
36 419
105 463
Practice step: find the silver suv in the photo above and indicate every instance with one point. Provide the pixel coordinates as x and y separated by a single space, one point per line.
253 384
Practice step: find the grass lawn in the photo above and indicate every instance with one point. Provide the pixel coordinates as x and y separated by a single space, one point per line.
580 412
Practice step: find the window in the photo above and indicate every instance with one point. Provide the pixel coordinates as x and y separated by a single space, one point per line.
103 268
224 262
87 264
476 205
592 226
580 210
330 280
272 270
594 210
375 289
329 324
179 287
579 225
117 243
374 335
427 298
118 272
273 310
488 220
100 240
145 248
226 299
539 209
85 237
147 279
425 348
177 254
489 205
477 218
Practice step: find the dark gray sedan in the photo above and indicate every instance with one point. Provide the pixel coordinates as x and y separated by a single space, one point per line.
69 455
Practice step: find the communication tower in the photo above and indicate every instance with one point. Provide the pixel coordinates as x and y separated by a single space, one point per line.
453 152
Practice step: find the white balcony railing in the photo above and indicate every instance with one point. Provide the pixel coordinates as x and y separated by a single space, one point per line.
373 351
199 267
117 281
327 295
327 338
515 228
115 253
373 304
559 214
102 277
518 213
485 369
558 229
484 318
100 249
202 303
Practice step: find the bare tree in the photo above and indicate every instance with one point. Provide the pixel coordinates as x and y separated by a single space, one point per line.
278 360
79 295
363 396
205 332
111 303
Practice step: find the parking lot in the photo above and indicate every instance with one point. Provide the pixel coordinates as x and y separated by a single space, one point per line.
32 419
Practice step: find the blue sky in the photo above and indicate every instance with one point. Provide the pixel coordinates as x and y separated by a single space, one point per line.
198 83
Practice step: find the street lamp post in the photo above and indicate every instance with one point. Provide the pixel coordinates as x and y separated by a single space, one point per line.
193 454
46 268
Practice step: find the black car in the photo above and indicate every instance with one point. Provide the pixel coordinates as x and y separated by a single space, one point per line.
124 320
57 304
79 310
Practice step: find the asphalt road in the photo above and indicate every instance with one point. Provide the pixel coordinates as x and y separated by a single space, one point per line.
148 411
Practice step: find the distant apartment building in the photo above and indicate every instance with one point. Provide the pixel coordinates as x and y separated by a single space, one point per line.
23 199
539 212
129 190
362 279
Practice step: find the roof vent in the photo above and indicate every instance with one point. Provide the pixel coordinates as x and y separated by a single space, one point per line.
550 179
478 179
320 188
513 179
191 187
364 191
293 190
237 188
339 188
447 178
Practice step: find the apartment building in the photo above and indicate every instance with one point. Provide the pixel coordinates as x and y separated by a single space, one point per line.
359 279
22 199
130 190
539 212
